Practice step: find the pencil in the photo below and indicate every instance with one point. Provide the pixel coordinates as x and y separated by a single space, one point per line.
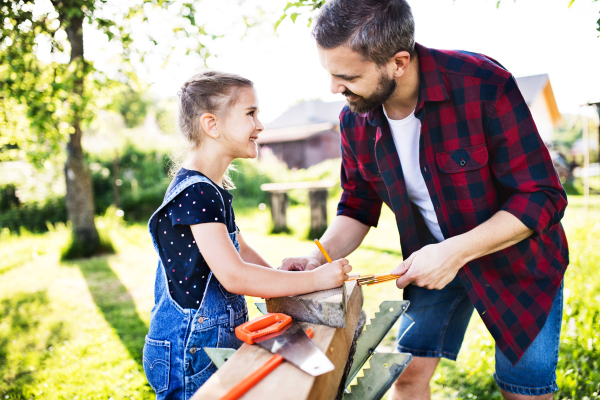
320 246
369 280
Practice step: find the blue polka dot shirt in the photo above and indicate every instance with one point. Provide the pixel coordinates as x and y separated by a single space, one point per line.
186 269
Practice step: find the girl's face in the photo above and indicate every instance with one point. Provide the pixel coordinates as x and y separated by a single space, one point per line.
241 126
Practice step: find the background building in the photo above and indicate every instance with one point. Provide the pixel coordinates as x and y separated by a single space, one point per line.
537 92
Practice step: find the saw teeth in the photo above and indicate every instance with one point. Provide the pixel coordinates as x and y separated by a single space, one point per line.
378 378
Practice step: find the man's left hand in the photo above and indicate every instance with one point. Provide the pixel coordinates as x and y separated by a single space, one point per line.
432 267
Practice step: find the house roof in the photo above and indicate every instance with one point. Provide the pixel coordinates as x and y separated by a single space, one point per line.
532 86
308 113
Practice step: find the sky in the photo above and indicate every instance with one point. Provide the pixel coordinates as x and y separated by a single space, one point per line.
528 37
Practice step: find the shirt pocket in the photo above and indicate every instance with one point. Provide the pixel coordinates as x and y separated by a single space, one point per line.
465 178
370 172
157 363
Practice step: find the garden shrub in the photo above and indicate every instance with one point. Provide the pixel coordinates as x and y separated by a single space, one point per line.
8 197
140 206
33 217
144 180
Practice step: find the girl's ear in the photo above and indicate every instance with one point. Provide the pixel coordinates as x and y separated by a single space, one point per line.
208 121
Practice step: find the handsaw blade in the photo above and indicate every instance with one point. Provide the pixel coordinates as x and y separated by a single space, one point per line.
371 337
383 371
219 356
294 345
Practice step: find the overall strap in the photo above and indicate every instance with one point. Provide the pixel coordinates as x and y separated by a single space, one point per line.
171 194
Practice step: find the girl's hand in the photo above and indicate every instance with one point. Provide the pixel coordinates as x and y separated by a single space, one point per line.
332 275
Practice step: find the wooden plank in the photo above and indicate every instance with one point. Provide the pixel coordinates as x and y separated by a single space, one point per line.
324 307
287 382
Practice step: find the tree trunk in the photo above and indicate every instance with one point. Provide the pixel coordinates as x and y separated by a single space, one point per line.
80 199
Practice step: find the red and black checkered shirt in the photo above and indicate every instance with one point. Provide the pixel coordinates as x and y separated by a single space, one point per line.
479 152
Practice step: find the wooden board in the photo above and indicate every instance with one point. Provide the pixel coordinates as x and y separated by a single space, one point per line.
323 308
287 382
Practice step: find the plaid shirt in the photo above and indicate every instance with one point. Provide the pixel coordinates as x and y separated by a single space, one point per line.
479 152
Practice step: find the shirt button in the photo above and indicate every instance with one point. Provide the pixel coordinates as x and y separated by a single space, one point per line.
378 173
200 320
462 163
193 350
425 169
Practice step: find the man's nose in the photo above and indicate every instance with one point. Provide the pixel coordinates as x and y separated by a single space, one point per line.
336 86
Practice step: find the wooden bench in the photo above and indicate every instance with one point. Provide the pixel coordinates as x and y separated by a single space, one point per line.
317 194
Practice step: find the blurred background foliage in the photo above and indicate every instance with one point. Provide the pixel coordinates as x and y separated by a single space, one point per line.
141 179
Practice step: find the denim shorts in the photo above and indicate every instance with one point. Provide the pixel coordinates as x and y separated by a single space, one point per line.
441 318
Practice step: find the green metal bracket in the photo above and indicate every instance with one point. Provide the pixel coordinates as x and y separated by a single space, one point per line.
371 337
262 307
219 356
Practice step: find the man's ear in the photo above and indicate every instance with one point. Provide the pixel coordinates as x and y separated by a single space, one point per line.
208 122
401 61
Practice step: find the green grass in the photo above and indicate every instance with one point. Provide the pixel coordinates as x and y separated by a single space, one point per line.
75 330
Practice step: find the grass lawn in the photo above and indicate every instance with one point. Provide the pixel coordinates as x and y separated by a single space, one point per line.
76 330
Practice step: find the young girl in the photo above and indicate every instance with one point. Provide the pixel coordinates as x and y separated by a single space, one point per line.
205 266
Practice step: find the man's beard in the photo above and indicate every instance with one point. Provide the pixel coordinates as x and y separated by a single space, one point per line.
384 91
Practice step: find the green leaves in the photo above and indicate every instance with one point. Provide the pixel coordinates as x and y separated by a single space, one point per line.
43 95
301 7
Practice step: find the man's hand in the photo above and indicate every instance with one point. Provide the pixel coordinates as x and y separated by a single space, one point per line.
432 267
299 264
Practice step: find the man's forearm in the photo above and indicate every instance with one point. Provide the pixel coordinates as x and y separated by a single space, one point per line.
497 233
342 237
434 266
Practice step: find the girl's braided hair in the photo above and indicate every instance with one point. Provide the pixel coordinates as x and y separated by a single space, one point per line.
207 92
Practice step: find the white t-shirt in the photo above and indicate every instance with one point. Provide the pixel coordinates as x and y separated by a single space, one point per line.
406 134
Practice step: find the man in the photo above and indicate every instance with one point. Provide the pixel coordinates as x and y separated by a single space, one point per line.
445 139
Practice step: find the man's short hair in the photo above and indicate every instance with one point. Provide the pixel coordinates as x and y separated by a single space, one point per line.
376 29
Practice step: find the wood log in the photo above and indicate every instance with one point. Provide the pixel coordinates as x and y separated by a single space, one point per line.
323 308
279 202
287 382
318 212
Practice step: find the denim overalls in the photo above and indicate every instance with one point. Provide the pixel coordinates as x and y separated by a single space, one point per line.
175 362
